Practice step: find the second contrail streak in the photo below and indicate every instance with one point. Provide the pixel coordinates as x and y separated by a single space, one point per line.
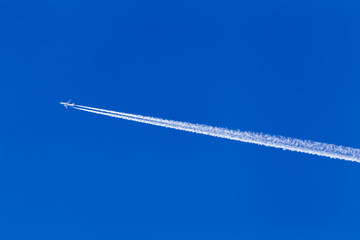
292 144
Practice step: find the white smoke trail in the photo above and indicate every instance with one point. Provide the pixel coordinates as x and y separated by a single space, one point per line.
124 114
292 144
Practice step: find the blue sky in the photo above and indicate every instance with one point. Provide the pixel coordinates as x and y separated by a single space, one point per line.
280 67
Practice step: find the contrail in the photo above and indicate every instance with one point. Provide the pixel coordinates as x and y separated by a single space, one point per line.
286 143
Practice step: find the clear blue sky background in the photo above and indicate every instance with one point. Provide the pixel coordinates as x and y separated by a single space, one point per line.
280 67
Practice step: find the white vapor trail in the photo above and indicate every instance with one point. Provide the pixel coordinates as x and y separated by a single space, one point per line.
292 144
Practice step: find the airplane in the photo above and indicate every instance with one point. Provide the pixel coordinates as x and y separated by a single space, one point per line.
68 104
